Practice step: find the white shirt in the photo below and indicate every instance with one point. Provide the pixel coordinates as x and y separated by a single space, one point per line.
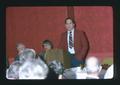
71 50
109 72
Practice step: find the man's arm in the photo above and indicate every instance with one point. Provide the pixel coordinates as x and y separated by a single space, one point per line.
85 46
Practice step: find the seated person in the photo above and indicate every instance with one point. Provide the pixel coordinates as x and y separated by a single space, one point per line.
21 48
33 69
57 66
27 67
56 69
28 54
109 72
92 68
47 45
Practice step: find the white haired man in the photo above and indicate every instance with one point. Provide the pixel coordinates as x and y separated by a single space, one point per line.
28 54
92 68
33 69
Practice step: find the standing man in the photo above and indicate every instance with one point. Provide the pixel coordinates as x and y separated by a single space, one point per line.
75 43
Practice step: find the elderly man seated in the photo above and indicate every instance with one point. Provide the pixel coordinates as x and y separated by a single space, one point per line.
21 48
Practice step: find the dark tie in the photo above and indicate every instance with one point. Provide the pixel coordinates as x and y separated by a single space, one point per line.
70 40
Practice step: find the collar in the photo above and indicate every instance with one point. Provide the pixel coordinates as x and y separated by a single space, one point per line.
71 30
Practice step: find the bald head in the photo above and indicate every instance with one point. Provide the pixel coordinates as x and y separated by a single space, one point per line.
92 64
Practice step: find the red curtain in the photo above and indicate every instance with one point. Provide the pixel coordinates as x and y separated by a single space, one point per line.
32 25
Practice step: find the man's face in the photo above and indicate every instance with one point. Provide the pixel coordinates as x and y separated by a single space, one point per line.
20 48
69 24
47 46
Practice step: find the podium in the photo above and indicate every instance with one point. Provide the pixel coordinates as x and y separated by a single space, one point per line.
58 54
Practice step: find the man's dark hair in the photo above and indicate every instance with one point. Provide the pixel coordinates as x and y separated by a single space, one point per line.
47 42
70 19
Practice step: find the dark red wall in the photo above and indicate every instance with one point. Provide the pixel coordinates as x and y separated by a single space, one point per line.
32 25
97 22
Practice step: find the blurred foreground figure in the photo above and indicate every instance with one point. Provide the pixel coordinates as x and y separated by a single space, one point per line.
33 69
109 72
92 68
27 67
13 71
57 66
27 55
